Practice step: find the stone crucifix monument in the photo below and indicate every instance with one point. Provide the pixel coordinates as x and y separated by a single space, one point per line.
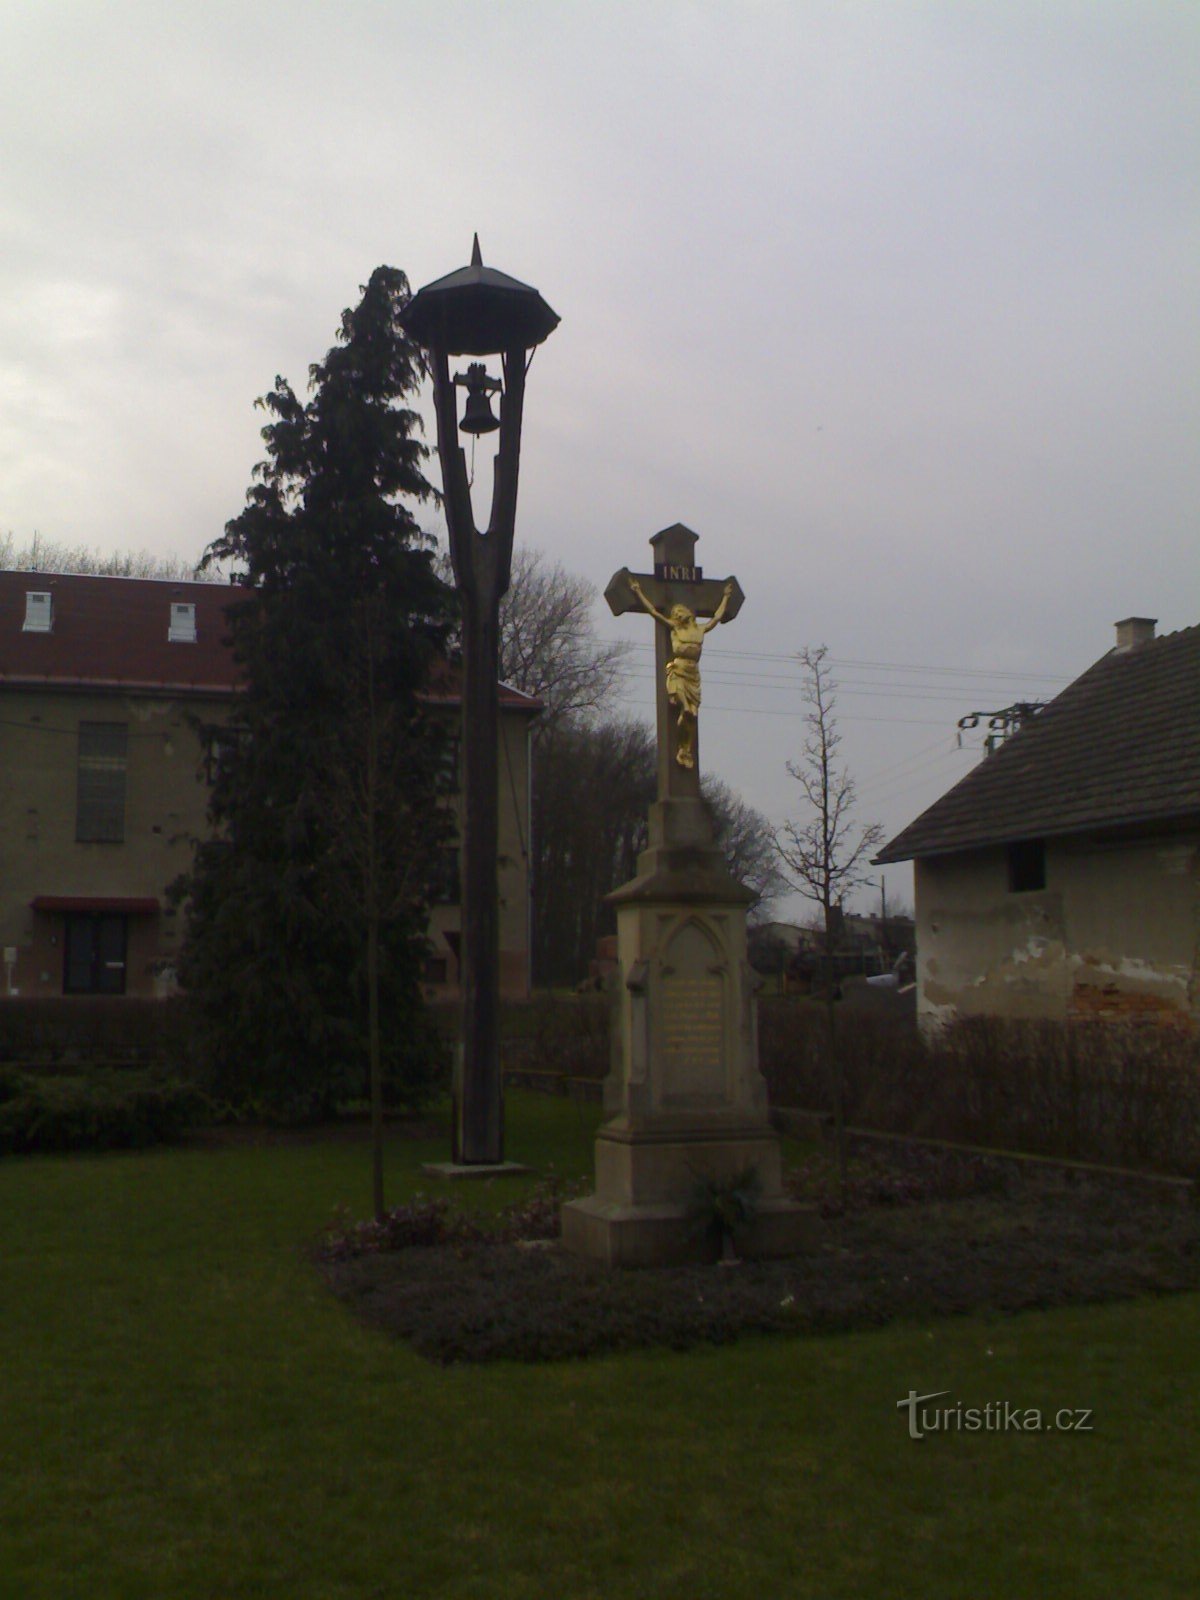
686 1103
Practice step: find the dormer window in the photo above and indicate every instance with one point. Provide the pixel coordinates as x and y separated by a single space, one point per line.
39 612
183 624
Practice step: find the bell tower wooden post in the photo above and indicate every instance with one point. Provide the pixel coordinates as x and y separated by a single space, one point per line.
482 563
482 312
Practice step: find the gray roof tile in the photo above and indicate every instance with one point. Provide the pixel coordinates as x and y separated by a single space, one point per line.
1119 747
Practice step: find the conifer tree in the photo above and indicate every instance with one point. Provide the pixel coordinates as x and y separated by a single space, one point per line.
307 908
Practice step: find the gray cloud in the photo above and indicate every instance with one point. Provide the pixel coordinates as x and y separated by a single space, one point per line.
896 305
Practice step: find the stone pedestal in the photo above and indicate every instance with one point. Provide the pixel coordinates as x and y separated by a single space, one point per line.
686 1102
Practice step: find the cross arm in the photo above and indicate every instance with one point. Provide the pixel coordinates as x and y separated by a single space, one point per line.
702 597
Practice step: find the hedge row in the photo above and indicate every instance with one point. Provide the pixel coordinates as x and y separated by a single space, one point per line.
60 1032
102 1111
1125 1096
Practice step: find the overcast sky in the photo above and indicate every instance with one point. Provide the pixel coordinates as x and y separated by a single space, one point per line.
895 304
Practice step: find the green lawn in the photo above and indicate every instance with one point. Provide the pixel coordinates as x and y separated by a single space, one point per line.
186 1412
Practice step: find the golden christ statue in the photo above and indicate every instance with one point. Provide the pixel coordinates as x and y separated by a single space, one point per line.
683 668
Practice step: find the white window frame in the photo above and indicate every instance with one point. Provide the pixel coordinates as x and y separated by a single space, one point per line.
182 629
39 611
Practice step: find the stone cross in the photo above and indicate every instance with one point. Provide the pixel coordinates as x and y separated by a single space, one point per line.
675 581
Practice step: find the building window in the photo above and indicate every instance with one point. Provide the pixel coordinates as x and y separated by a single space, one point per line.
100 791
182 627
445 887
39 611
1027 866
94 957
448 780
221 744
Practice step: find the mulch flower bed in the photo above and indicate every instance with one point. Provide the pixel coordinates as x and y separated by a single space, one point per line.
923 1233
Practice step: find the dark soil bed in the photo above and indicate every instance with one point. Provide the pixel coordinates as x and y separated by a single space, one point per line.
1029 1240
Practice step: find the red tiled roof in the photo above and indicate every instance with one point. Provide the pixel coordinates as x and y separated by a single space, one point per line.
112 633
1119 748
444 689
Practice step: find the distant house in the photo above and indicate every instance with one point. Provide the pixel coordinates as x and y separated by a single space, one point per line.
103 781
789 937
879 938
795 958
784 952
1061 877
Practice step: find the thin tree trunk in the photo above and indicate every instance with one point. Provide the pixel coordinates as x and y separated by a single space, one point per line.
376 1062
839 1095
835 1060
372 908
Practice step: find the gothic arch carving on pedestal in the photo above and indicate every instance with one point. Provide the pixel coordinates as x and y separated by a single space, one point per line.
692 1025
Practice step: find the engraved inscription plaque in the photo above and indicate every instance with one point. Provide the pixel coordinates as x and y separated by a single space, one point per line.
692 1035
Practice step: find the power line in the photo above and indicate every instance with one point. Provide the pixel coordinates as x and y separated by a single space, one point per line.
900 768
798 714
858 686
942 694
905 760
763 711
993 674
937 769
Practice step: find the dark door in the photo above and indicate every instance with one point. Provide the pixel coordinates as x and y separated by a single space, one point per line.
94 961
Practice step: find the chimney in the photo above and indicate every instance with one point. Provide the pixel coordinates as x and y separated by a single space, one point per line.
1134 631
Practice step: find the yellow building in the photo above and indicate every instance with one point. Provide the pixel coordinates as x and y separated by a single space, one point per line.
104 781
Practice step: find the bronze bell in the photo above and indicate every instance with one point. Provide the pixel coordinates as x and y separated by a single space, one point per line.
477 413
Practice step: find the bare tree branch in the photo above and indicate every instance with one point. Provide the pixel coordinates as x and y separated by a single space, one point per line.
50 555
746 838
548 643
826 852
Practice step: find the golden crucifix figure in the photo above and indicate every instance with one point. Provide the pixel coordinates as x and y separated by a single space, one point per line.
683 667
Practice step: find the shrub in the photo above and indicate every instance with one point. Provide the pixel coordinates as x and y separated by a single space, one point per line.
416 1063
898 1175
316 1087
103 1111
559 1035
419 1222
538 1216
721 1208
423 1222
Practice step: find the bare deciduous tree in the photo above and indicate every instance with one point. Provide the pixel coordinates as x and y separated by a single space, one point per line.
48 555
826 852
548 642
748 843
593 785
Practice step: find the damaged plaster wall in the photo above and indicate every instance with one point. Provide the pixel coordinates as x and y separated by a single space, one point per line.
1112 936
